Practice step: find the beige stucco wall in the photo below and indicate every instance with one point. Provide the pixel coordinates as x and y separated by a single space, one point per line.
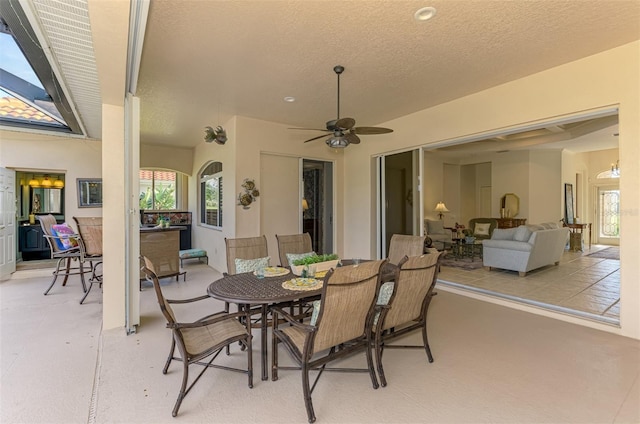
562 91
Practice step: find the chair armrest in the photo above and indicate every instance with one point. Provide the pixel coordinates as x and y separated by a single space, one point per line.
193 299
211 319
276 310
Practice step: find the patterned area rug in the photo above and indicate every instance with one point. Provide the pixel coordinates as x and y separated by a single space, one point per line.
608 253
465 263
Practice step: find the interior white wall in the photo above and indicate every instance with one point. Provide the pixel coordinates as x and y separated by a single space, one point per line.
562 91
545 175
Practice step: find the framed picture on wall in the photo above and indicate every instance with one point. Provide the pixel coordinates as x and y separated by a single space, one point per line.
89 192
568 203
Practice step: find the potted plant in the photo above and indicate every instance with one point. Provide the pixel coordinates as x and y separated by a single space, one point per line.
316 262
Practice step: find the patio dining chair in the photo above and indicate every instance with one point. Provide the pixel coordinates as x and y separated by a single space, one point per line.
402 245
65 246
90 229
342 326
246 254
201 339
403 305
293 244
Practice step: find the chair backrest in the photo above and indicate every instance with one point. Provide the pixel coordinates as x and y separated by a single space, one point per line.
347 303
293 243
46 222
413 289
149 269
90 229
244 248
403 245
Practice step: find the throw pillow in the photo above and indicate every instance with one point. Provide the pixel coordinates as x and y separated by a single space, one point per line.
522 233
63 234
481 229
435 227
295 256
250 265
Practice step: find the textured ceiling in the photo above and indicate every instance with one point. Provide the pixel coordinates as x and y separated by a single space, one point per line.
225 58
204 61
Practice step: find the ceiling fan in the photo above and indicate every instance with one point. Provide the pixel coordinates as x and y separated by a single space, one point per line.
344 132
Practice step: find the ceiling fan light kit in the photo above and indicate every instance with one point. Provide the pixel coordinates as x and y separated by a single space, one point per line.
344 132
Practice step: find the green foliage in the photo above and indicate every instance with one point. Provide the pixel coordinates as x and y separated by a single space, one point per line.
315 259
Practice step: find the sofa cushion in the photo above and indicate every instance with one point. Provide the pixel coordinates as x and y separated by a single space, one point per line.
503 233
481 229
549 225
507 245
523 233
435 227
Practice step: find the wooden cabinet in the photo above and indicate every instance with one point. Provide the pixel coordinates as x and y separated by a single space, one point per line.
510 222
32 243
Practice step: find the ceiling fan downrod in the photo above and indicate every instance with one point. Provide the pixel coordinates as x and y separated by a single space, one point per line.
338 70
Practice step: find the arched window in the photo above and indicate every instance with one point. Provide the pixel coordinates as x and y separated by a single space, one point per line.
211 194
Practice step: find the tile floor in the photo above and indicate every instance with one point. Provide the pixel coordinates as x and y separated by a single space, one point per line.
581 285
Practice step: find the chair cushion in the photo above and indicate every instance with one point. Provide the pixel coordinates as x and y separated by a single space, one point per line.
435 227
481 229
316 311
386 290
193 253
503 234
249 265
295 256
63 230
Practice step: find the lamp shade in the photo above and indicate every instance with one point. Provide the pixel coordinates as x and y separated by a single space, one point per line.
46 182
305 205
440 207
58 183
34 183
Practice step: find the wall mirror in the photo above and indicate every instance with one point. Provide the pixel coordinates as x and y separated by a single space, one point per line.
46 200
510 204
89 193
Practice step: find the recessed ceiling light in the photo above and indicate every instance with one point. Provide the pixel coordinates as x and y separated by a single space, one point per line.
289 99
425 13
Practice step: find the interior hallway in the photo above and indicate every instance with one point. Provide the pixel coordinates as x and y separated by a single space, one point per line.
492 365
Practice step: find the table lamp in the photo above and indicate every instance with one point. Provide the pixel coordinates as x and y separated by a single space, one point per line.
441 209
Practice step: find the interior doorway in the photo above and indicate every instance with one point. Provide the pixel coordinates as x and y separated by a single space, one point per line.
317 203
398 197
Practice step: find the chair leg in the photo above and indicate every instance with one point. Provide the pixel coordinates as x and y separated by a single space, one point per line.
425 339
372 372
87 292
171 352
274 355
55 275
379 347
307 393
249 362
66 275
183 388
81 266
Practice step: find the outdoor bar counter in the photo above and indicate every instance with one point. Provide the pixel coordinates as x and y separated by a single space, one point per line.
162 247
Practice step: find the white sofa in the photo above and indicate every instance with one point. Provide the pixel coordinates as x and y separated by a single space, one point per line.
525 248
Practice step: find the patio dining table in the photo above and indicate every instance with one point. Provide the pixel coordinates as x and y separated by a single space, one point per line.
247 290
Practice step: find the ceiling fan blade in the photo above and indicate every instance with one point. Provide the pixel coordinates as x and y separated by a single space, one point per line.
352 138
309 129
315 138
345 123
371 130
